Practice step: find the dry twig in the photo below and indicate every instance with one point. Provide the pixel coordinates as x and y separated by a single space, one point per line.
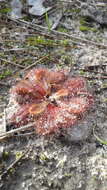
45 29
36 62
10 133
12 63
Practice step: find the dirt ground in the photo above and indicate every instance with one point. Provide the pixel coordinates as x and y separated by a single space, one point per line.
70 35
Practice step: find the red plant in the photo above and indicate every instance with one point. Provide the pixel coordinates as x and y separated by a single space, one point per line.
52 99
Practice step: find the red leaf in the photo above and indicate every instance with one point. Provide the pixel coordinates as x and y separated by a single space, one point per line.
60 93
75 85
21 116
53 119
39 77
36 109
75 105
28 92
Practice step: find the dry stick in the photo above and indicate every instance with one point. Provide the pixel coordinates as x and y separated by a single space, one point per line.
13 164
80 39
38 61
12 63
42 32
10 133
45 29
101 4
26 134
61 1
14 49
19 49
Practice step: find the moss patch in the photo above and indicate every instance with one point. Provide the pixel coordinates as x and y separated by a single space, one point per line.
86 28
5 10
85 25
5 74
74 10
62 29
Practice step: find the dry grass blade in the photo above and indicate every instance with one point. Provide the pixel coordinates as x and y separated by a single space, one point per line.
12 63
10 133
79 39
36 62
25 134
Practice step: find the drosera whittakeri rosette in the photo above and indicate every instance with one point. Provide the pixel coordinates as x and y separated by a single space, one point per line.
52 99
